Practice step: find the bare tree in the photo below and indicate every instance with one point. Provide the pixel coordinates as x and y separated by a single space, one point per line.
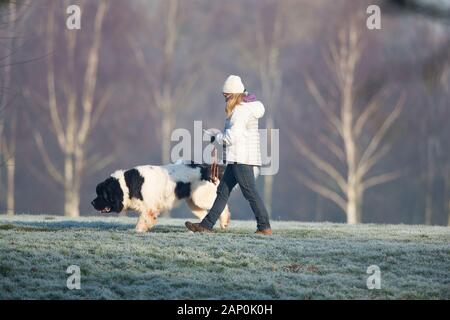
7 143
348 186
446 84
8 128
447 193
169 93
78 109
164 98
432 156
433 122
270 37
278 24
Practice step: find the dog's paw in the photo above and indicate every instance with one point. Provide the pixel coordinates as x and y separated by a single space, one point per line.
225 219
224 224
141 229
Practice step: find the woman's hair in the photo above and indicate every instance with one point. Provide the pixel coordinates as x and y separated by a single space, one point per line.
232 102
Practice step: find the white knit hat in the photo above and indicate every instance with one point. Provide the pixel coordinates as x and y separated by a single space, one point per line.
233 84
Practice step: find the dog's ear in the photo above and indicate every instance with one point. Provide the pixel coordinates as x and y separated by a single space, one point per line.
98 189
115 194
118 206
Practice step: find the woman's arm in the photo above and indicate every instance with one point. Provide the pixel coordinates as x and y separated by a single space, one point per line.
238 122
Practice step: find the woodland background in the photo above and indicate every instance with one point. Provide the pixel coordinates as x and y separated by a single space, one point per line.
362 113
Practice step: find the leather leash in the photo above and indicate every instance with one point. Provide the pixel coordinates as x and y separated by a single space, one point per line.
214 167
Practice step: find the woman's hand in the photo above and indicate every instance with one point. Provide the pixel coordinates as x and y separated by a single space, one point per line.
213 136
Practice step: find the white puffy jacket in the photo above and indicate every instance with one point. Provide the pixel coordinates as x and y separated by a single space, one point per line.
241 137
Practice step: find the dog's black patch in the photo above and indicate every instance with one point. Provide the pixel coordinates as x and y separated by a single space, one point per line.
134 182
205 170
183 190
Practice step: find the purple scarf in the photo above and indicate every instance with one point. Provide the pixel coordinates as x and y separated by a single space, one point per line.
249 98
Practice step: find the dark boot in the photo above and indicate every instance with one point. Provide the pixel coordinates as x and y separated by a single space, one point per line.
196 227
266 232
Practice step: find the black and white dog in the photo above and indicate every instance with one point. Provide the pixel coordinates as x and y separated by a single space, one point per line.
150 190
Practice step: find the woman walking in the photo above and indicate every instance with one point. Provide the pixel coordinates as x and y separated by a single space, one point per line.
241 153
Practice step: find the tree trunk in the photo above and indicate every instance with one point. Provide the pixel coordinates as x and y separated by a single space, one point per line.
448 218
429 203
1 179
353 212
72 202
447 193
268 184
268 179
166 127
428 207
352 215
165 137
354 204
9 159
10 172
71 194
72 133
319 209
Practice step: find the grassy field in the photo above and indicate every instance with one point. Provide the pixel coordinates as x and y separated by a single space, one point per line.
301 261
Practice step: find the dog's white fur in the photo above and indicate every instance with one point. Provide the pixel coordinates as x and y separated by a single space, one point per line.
159 196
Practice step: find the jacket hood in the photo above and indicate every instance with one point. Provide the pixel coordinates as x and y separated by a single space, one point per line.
256 108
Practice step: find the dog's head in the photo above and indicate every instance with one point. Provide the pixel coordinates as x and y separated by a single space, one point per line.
109 196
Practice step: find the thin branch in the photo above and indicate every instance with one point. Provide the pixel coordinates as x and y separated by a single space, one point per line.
183 91
334 148
372 106
37 173
323 191
96 163
247 54
10 147
143 64
102 104
320 164
364 167
331 57
51 168
379 135
52 103
4 152
22 62
90 77
380 179
321 103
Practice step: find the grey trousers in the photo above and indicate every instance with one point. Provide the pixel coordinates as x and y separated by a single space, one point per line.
243 175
